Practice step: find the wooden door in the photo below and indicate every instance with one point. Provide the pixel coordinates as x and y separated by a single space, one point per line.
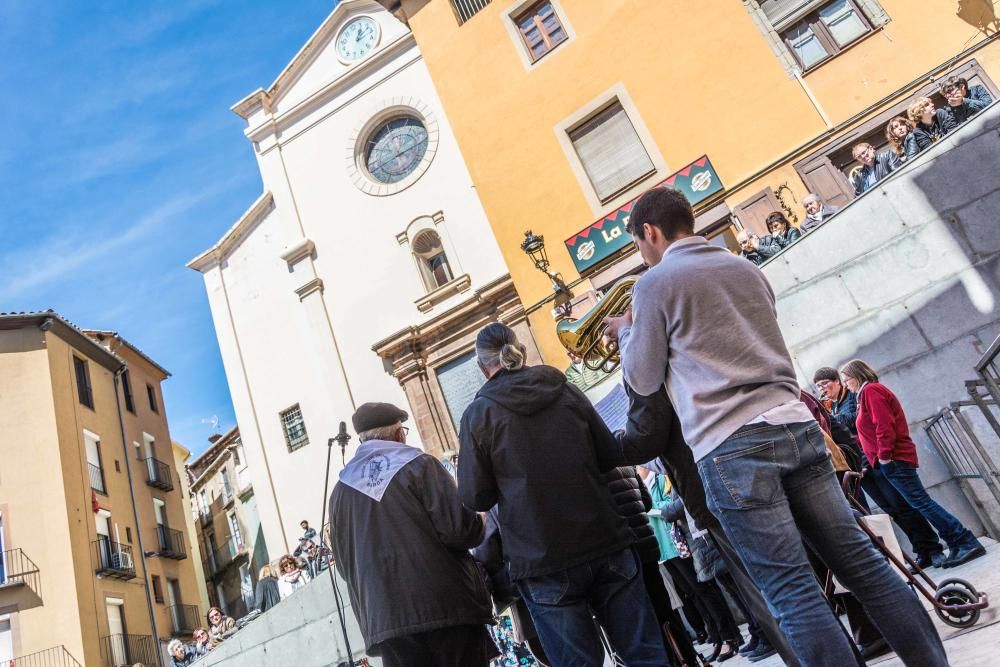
824 179
753 212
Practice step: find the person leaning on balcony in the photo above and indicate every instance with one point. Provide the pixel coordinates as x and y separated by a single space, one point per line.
929 125
293 577
401 540
782 235
181 655
976 92
749 242
874 166
760 453
816 212
885 439
220 626
960 108
896 132
267 594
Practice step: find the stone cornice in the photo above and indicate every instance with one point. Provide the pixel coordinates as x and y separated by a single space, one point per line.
314 285
250 217
298 252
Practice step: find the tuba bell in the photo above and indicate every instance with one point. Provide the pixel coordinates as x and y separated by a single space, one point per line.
584 337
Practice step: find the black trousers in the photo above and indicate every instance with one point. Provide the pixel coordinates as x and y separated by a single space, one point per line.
914 525
708 596
459 646
666 616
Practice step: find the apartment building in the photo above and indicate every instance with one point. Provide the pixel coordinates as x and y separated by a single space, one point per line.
96 568
228 529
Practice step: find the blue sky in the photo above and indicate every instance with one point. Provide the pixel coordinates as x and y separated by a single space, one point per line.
121 161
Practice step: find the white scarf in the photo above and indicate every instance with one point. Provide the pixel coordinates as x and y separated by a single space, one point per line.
375 464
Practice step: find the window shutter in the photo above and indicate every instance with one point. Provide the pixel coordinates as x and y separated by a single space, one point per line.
874 12
611 152
782 13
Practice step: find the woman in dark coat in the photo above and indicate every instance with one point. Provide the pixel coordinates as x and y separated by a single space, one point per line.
266 595
782 235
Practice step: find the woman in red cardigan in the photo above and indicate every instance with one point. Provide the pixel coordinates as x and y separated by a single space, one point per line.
885 439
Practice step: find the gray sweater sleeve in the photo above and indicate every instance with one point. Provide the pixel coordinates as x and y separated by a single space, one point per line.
644 344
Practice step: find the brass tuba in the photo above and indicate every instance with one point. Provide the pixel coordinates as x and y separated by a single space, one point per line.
584 337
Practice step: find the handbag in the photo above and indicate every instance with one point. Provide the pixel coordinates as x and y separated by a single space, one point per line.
677 536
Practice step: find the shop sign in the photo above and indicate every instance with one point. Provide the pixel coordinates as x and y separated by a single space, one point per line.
603 238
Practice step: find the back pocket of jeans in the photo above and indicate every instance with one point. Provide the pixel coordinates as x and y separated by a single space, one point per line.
751 477
549 589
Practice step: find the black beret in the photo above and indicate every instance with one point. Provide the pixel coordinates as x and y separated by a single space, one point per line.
373 415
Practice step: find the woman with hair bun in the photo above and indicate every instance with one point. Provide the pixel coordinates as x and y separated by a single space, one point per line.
535 447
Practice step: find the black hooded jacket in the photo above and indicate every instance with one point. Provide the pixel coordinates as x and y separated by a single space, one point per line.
534 445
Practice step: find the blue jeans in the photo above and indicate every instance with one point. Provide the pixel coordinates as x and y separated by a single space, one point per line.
771 486
904 478
563 606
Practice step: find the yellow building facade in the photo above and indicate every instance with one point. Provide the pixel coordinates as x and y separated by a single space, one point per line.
567 110
92 522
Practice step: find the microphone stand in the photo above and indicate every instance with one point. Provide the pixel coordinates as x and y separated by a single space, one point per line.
342 438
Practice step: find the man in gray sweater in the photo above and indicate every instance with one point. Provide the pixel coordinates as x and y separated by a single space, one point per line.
705 324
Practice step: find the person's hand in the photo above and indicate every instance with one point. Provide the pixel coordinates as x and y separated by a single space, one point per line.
755 241
616 324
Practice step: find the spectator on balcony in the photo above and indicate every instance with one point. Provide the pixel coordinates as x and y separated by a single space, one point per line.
816 212
397 520
885 439
181 655
749 242
308 535
317 559
202 642
896 132
267 593
220 626
929 125
975 92
960 107
293 577
782 235
874 166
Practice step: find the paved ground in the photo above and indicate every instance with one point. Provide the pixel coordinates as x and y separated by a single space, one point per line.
969 647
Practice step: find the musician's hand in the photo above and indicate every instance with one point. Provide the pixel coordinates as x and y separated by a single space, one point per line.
616 324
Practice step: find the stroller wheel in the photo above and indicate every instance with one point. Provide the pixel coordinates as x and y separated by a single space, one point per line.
953 595
961 583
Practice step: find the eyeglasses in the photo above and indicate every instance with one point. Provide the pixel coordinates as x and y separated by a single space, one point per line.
404 429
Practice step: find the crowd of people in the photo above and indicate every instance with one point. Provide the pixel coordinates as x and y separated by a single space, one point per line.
718 503
907 136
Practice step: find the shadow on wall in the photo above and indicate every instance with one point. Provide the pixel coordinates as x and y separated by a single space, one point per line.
980 14
907 278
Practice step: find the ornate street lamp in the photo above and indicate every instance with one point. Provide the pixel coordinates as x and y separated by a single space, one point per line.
534 247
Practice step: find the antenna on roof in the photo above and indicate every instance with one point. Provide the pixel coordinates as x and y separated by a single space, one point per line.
214 421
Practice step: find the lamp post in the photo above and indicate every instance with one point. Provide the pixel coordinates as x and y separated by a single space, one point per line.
534 247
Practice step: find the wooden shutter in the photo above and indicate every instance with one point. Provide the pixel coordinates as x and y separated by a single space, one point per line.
823 178
782 13
754 211
611 152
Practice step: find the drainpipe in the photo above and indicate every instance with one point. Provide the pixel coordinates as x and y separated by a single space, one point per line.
812 98
138 527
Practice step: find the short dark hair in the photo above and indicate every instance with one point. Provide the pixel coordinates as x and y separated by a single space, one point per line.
826 373
951 83
665 208
303 522
777 216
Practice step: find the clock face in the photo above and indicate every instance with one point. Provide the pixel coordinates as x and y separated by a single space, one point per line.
396 149
357 38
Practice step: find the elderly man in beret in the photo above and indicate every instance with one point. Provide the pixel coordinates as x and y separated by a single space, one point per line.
401 540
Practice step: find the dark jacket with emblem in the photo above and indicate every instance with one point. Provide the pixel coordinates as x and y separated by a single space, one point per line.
533 444
406 559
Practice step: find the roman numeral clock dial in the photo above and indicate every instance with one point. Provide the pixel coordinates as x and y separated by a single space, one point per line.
357 39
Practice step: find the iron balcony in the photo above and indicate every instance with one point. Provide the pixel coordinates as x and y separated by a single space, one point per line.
170 543
113 559
158 474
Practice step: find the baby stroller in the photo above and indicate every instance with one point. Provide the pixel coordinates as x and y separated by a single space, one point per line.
956 601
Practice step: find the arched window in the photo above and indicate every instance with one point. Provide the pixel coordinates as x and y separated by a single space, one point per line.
433 263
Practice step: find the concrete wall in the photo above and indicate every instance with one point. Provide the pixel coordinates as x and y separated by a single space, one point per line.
906 278
302 630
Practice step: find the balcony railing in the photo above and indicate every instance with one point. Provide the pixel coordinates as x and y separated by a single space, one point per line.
229 552
184 619
97 478
51 657
20 581
158 474
114 559
205 516
170 543
126 650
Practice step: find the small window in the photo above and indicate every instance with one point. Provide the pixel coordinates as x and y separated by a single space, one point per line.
157 589
118 467
540 28
825 32
611 152
466 9
127 392
151 393
128 534
433 263
295 428
83 388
